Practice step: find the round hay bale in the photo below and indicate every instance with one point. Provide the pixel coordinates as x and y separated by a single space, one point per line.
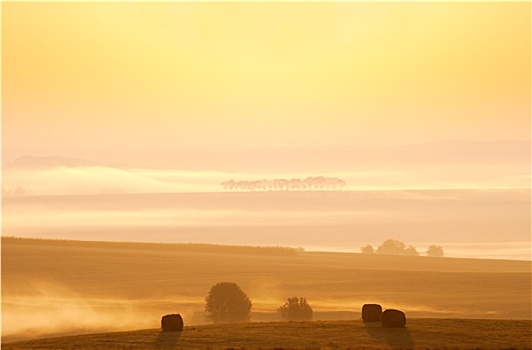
393 318
371 313
172 323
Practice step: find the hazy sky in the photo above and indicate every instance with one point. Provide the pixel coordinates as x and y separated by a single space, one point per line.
184 75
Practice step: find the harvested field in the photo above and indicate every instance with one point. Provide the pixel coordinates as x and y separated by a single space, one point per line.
419 334
122 286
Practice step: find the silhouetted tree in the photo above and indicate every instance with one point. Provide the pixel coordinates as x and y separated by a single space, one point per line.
391 246
227 185
411 250
227 303
268 184
435 251
278 184
367 249
335 182
395 247
309 182
296 184
296 309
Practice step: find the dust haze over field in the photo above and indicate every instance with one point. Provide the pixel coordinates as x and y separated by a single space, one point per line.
57 310
76 287
121 121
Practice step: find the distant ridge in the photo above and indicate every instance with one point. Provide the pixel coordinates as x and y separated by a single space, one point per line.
299 159
34 162
379 261
174 247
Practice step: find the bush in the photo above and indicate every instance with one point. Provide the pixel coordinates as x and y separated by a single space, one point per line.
227 303
391 246
435 251
367 249
296 310
411 250
394 247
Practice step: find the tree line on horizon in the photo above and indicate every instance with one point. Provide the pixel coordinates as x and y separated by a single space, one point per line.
395 247
309 183
210 248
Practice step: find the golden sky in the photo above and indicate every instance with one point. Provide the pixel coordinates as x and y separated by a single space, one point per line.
230 75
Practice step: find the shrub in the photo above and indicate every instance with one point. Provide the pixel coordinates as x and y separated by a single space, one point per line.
227 303
367 249
296 309
395 247
411 250
435 251
391 246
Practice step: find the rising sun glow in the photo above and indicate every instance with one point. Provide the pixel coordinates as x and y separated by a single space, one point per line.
174 75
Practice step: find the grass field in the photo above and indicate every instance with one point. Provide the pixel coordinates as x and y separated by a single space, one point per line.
419 334
51 288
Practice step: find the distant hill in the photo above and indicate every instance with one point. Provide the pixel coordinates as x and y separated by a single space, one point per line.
33 162
302 159
173 247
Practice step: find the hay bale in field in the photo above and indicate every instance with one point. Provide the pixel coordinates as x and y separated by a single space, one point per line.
393 318
371 313
172 323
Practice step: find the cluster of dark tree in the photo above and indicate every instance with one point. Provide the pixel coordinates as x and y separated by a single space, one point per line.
227 303
310 183
296 309
395 247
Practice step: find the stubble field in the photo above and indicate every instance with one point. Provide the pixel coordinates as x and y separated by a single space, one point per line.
419 334
53 288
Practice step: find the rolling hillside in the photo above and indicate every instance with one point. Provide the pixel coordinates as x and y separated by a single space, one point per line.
65 287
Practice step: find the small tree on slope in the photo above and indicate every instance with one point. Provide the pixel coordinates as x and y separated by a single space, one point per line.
227 303
296 310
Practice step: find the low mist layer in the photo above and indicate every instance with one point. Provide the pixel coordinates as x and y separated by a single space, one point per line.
105 180
438 165
466 223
